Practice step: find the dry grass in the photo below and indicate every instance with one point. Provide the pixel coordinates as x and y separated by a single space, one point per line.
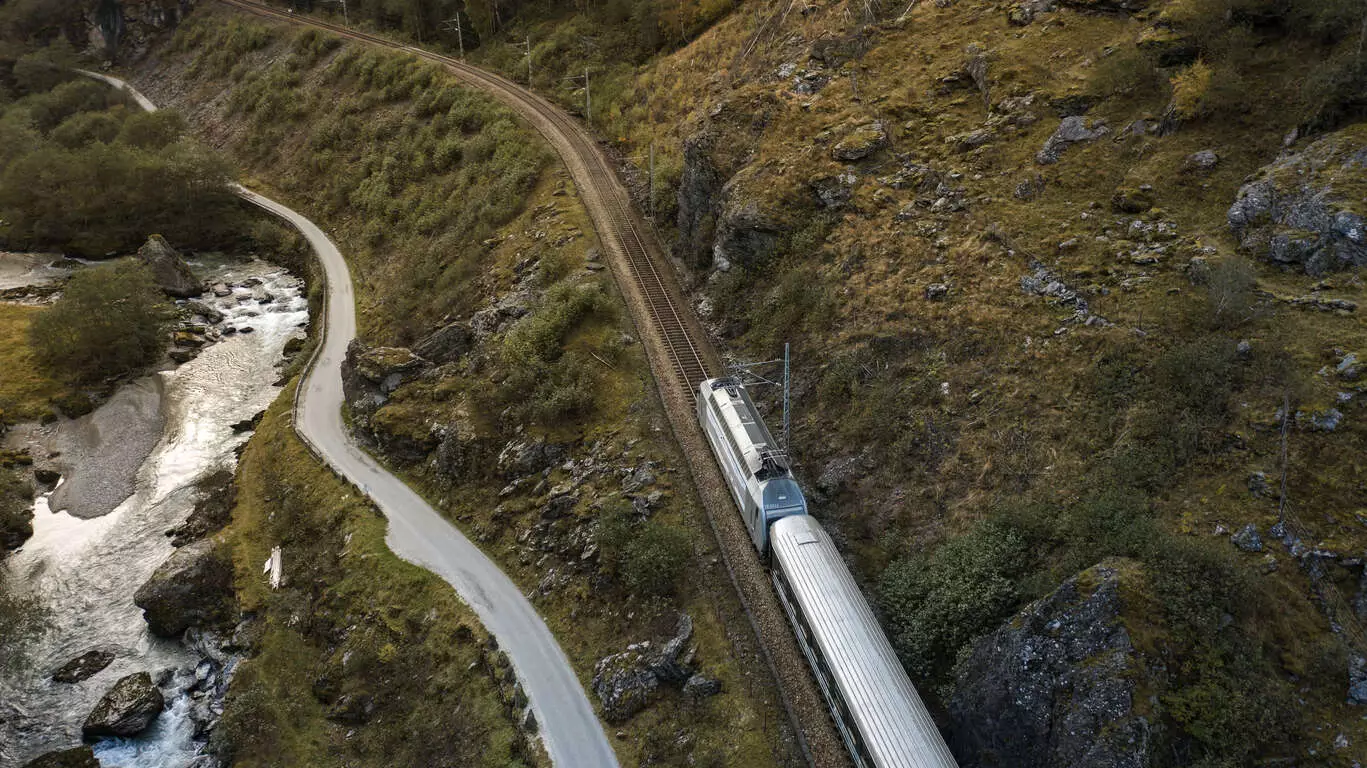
26 392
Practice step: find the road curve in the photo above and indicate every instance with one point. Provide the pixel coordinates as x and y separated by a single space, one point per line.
417 533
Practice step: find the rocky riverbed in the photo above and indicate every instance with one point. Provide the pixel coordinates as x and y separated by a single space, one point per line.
80 572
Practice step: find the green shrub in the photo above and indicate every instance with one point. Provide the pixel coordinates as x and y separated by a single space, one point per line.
935 605
152 130
1177 409
103 198
85 128
50 108
1231 299
1224 693
1127 72
110 321
543 381
647 556
46 68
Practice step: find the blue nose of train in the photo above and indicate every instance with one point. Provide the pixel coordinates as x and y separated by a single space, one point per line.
783 498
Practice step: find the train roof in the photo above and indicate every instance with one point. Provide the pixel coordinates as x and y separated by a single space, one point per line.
743 421
897 730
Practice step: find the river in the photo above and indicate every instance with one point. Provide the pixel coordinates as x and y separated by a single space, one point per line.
80 574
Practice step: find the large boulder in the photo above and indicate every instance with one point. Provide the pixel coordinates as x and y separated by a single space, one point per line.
126 710
193 588
83 667
862 141
624 684
1072 130
628 682
371 374
170 271
446 344
1305 210
76 757
1056 685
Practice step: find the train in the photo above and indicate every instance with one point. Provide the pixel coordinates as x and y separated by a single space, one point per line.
873 704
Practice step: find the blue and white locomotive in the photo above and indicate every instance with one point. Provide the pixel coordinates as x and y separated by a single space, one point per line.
879 715
756 469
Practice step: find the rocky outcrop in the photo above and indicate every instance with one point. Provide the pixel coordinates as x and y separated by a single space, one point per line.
628 682
1072 130
218 492
371 374
833 190
748 234
861 142
520 458
77 757
1055 686
126 710
126 30
461 453
446 344
1305 210
170 271
699 189
833 52
83 667
193 588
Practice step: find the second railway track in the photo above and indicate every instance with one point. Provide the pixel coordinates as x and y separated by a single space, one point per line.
680 357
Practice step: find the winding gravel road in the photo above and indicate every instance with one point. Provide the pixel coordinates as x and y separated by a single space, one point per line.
570 730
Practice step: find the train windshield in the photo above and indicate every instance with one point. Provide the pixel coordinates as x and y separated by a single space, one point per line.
783 497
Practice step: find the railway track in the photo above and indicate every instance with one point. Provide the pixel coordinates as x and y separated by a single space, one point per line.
680 358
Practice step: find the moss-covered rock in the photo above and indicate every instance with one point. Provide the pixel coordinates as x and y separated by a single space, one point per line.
1056 685
76 757
193 588
862 141
1306 209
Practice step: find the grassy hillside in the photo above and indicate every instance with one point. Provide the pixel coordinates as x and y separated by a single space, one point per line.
27 391
359 655
450 211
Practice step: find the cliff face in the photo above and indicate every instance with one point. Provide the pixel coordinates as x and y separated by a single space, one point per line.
1057 685
125 30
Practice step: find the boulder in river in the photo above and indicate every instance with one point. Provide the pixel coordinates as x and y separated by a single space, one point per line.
83 667
212 511
76 757
170 271
193 588
126 710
